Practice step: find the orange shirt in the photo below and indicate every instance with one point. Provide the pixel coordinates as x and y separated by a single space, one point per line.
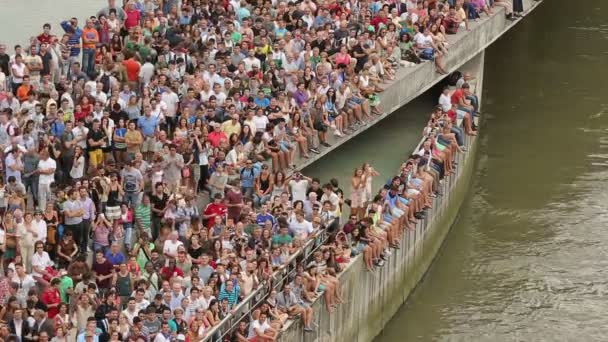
23 91
90 34
132 67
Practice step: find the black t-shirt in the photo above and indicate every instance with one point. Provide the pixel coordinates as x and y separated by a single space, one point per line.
116 116
96 136
4 59
159 203
46 64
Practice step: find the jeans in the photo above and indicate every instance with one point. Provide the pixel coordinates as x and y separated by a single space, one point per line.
88 61
86 228
44 193
458 132
259 200
97 247
474 102
128 234
131 198
31 183
247 191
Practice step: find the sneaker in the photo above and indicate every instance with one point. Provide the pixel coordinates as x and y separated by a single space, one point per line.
326 144
338 134
314 150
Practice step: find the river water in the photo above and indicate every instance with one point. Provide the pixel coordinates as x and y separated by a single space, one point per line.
526 260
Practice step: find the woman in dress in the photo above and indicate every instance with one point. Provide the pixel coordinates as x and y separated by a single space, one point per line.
115 193
357 193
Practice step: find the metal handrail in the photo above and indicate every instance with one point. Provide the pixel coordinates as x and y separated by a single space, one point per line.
259 295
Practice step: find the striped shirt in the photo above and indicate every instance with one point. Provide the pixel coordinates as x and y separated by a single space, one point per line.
143 214
233 296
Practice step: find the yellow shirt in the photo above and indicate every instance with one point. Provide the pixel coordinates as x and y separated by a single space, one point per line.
229 128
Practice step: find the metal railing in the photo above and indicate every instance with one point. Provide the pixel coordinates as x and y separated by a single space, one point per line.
257 297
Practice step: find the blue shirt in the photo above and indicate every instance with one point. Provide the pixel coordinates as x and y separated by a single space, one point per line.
57 128
261 219
116 259
248 177
263 102
75 35
148 125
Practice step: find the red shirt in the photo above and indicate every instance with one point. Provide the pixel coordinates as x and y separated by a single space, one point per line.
51 296
168 273
215 209
45 38
457 96
452 115
132 67
132 18
215 137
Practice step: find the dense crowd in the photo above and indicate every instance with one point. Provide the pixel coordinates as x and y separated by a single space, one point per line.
149 162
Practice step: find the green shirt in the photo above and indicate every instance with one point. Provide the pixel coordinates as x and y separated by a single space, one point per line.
143 214
142 258
64 286
281 240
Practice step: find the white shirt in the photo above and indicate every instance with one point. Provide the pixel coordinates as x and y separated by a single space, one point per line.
256 325
129 315
171 100
46 164
300 229
333 198
146 72
298 189
161 338
446 102
40 227
41 260
78 133
170 248
260 122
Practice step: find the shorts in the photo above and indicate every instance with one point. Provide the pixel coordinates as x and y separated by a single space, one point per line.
460 114
95 157
285 146
148 145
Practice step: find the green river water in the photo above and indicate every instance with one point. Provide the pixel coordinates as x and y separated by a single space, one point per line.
526 260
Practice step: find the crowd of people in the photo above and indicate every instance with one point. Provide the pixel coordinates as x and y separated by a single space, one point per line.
113 133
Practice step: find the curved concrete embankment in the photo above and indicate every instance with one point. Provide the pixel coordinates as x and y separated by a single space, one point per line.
411 82
373 298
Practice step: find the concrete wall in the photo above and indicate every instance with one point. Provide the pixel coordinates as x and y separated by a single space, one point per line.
373 298
411 82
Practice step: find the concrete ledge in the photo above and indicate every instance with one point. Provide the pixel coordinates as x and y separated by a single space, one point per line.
411 82
373 298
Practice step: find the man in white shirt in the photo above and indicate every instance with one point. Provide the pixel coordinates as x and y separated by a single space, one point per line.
299 227
40 227
261 330
40 262
80 133
46 171
298 186
130 312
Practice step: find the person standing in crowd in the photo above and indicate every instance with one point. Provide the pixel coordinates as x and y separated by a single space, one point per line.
214 119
